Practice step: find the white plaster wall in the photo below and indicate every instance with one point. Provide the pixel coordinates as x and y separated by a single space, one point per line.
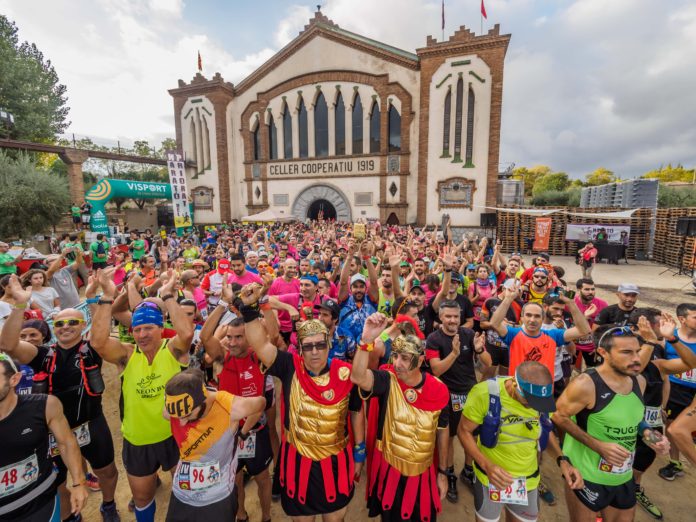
443 168
209 178
312 57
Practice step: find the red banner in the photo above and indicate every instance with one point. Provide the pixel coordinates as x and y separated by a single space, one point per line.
542 233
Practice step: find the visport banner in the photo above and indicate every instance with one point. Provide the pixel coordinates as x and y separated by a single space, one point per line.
542 233
588 232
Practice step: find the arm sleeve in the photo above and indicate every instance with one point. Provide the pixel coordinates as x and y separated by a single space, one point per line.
354 401
511 334
381 383
282 366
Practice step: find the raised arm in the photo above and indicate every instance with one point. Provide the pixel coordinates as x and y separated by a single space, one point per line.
497 320
55 266
373 287
360 374
9 337
110 349
211 344
395 263
182 325
667 327
344 282
582 327
255 330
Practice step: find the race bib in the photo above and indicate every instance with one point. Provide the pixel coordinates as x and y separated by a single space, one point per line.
458 400
246 449
18 476
515 493
653 416
689 376
81 434
609 468
196 476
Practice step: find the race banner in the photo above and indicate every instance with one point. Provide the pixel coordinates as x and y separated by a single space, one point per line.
177 179
542 233
588 232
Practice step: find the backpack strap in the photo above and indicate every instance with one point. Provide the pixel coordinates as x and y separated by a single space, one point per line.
494 397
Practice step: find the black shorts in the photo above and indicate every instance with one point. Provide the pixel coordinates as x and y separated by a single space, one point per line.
454 416
142 461
262 457
500 355
99 452
680 397
597 497
225 509
77 219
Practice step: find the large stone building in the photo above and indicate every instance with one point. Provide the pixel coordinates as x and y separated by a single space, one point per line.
350 127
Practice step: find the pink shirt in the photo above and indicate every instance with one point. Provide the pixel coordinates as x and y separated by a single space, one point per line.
244 279
586 344
279 287
294 300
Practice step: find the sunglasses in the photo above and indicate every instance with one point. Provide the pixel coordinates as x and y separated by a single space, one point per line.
67 322
318 346
616 332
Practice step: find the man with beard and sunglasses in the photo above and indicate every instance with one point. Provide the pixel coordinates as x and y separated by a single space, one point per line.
591 306
205 425
70 369
602 415
145 367
318 465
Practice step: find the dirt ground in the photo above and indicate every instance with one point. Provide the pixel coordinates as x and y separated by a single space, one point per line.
674 498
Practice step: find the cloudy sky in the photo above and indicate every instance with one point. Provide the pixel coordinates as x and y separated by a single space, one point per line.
588 83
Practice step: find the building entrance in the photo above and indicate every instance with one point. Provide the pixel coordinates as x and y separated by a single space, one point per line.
318 198
321 208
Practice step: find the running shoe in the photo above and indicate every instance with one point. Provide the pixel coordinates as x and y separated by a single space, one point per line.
467 476
546 494
109 512
672 470
452 493
647 505
92 482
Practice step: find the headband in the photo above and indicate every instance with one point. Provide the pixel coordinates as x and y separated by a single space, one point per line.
183 404
310 277
147 315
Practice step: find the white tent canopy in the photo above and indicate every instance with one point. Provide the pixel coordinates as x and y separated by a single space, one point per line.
527 211
267 216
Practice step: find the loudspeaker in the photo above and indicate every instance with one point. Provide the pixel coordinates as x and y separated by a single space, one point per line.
686 226
489 220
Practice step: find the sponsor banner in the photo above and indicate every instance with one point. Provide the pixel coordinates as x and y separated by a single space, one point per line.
542 233
588 232
177 179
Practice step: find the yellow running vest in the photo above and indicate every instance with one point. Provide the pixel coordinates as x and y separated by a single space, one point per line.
142 390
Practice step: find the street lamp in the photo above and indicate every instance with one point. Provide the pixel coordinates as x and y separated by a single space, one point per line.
6 120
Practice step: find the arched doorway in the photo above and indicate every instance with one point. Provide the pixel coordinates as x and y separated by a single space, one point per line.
314 198
392 219
323 208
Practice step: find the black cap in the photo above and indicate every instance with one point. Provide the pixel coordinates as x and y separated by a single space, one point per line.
331 305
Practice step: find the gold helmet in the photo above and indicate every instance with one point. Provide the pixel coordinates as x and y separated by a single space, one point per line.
409 344
311 327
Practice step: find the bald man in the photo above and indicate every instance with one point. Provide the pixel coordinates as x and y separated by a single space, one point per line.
70 369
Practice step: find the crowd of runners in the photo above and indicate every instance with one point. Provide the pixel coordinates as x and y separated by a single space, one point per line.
307 357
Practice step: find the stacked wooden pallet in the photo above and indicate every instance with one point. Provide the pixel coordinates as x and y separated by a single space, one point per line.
672 249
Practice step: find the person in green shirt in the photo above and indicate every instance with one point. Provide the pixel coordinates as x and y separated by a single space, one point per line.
190 253
8 263
76 214
138 247
100 252
602 414
507 474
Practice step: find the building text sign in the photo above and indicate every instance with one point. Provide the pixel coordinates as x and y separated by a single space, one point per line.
325 167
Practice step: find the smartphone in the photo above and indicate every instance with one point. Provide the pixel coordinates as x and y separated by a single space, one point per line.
570 294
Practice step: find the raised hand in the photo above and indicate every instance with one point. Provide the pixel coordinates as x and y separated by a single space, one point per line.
172 279
479 341
226 293
106 280
667 325
645 330
456 345
374 326
251 293
19 294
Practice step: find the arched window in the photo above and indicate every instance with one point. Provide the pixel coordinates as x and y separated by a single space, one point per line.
272 139
446 125
340 126
374 128
321 127
394 129
256 136
287 132
357 126
304 135
470 127
458 122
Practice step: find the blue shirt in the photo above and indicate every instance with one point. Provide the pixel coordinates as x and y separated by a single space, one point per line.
351 319
686 378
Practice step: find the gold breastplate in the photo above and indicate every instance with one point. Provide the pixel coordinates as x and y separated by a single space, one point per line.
408 435
316 430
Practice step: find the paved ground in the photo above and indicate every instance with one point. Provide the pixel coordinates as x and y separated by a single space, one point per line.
675 498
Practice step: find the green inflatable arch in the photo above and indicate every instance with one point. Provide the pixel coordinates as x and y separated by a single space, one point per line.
101 193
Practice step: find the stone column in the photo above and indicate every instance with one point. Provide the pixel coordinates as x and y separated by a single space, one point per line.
74 159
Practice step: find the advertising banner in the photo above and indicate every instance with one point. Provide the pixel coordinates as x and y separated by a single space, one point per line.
588 232
542 233
177 179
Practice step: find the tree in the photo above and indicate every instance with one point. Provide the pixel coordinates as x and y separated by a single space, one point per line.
601 176
676 197
553 181
668 174
550 198
30 89
31 200
529 176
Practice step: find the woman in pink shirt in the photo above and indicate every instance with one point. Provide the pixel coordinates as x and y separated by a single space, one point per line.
480 290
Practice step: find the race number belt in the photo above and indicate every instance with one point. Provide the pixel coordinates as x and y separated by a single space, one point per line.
246 449
515 493
197 476
81 434
17 476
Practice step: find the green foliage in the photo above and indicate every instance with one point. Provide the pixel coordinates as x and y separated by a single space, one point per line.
550 198
31 200
600 176
669 173
553 181
529 176
675 197
574 192
30 89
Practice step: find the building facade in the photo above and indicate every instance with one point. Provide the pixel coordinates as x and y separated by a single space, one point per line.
342 126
